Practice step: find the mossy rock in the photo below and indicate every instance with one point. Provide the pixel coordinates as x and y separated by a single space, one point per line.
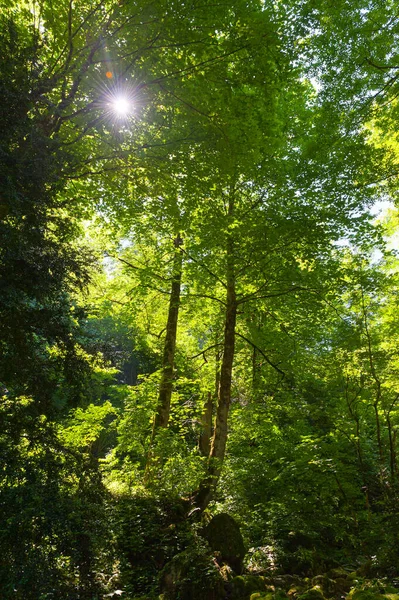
315 593
337 573
287 582
327 585
224 536
296 589
269 595
369 593
243 586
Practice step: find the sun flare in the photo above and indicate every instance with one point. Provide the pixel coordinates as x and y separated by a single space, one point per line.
121 106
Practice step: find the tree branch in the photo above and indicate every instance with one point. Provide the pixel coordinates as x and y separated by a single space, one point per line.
267 359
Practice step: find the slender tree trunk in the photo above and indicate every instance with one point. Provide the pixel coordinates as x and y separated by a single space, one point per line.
392 451
377 402
379 439
219 439
352 412
161 418
204 442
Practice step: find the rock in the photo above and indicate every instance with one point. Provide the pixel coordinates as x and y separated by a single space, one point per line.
296 588
269 595
367 593
338 573
288 581
326 584
315 593
243 586
224 536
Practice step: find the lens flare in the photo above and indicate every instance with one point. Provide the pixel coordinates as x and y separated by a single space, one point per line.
121 106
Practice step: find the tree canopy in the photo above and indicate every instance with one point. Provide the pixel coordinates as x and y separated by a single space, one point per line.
198 275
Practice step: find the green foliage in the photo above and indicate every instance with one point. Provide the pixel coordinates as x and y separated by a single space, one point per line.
192 575
85 426
149 532
52 503
261 132
42 261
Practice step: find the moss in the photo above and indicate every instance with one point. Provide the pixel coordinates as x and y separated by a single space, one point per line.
254 583
315 593
224 536
238 587
296 589
245 585
339 586
369 593
338 573
242 586
269 595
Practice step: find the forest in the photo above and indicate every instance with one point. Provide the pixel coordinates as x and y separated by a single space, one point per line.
199 289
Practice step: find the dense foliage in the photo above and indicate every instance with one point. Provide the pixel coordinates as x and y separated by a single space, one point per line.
198 336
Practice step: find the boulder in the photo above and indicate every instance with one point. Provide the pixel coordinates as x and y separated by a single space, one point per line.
224 537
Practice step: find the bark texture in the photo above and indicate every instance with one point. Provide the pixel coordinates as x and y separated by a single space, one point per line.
204 442
219 439
161 418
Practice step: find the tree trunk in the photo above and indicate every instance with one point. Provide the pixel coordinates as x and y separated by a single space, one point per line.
392 451
219 439
204 442
379 439
161 418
